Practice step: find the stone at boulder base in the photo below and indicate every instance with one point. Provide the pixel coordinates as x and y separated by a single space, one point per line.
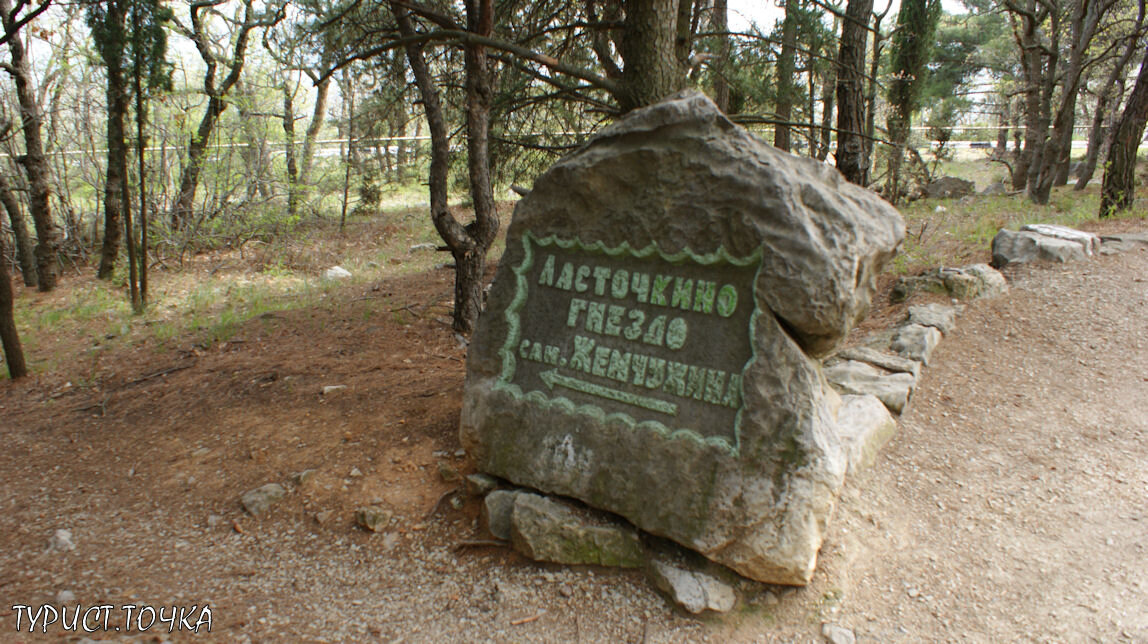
852 377
650 341
886 361
546 530
865 425
497 508
694 591
916 341
939 316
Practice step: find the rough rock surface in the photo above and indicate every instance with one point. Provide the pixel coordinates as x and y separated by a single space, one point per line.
916 342
336 273
939 316
1089 241
886 361
546 530
853 377
373 518
259 500
497 507
1018 247
950 188
694 591
978 280
1117 243
676 177
865 425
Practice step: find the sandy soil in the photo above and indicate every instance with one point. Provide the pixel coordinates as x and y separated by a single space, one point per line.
1011 506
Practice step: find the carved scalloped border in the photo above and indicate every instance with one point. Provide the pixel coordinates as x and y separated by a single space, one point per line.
514 331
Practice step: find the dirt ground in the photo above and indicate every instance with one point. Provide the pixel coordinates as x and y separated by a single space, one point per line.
1011 506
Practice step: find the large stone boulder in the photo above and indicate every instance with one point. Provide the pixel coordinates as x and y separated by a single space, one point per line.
648 342
949 188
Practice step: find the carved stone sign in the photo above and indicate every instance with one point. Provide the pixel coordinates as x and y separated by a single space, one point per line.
650 339
657 342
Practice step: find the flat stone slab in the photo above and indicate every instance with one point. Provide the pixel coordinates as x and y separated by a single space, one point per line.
865 426
1020 247
886 361
852 377
651 338
939 316
1088 241
1122 242
916 342
977 280
694 591
546 530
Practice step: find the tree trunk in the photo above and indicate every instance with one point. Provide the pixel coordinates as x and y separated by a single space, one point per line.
786 89
1048 86
34 163
721 65
24 254
1085 20
1030 58
471 263
196 151
1119 189
318 115
9 338
871 99
850 155
1113 87
289 151
115 180
652 70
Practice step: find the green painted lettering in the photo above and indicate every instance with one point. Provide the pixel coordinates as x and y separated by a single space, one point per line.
696 383
676 333
619 368
547 276
634 331
566 277
536 352
553 355
601 361
656 331
524 349
727 300
715 385
732 397
704 297
576 307
675 378
581 358
640 285
683 292
580 284
595 315
601 275
658 293
614 320
620 284
639 366
657 373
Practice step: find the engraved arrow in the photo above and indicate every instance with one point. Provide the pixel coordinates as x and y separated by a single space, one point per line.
552 378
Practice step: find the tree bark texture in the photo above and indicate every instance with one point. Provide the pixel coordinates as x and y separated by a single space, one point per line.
851 159
34 163
1119 189
651 68
318 115
786 88
115 179
721 63
289 147
196 151
9 338
25 256
1085 21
